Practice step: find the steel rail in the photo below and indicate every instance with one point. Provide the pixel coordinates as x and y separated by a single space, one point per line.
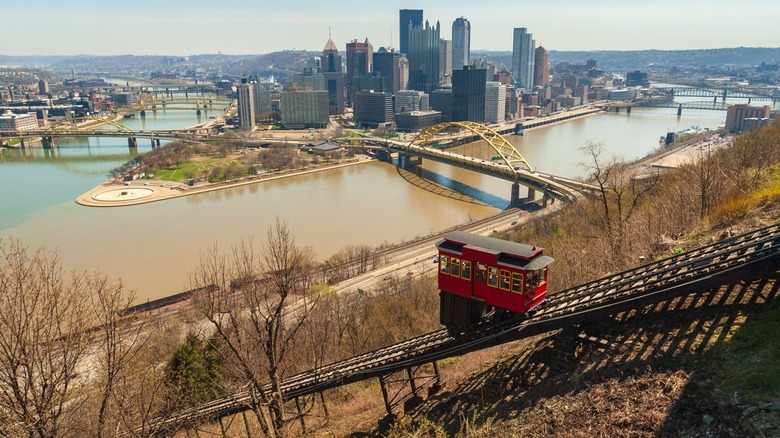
656 281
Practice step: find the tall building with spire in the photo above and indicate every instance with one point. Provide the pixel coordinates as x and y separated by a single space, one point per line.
523 58
461 43
541 67
424 57
334 77
407 19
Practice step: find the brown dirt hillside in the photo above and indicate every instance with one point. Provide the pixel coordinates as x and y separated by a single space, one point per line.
702 365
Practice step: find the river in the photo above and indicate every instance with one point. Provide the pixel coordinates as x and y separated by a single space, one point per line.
153 247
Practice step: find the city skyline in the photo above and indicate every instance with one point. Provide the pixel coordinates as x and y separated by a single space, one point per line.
143 27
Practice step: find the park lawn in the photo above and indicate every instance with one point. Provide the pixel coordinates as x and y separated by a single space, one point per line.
178 174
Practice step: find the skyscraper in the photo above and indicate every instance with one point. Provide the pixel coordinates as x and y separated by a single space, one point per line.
334 78
495 102
408 18
373 109
359 60
461 43
445 58
424 57
468 94
246 105
403 72
541 67
523 58
386 63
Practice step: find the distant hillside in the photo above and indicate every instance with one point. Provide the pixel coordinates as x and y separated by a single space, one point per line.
619 60
279 64
286 63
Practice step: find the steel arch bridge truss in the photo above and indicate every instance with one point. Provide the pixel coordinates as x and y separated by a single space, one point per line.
503 148
66 125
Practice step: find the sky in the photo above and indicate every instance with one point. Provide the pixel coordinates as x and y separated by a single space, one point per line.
191 27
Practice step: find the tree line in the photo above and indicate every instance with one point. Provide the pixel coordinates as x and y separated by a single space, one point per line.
75 362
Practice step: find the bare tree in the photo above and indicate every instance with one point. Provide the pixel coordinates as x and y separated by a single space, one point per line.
620 194
43 338
120 336
246 298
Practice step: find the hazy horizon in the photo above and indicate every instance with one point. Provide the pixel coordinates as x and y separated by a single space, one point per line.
244 27
32 55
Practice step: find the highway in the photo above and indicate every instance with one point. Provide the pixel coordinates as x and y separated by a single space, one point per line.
417 257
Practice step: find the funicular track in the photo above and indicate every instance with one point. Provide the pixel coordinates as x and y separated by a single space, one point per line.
744 256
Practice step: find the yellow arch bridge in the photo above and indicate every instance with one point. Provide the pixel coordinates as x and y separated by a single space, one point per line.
508 164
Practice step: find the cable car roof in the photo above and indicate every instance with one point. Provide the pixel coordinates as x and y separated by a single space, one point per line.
456 240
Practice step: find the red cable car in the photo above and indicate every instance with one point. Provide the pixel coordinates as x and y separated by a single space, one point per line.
478 275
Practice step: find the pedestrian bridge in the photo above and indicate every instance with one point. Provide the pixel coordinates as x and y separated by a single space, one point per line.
508 163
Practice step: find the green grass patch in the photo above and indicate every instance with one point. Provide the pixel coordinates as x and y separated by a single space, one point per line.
750 360
179 174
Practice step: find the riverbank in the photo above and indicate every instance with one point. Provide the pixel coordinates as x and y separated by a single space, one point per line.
123 194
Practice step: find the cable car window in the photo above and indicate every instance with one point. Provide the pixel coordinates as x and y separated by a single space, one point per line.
455 268
517 282
505 277
532 280
493 277
443 264
481 272
466 271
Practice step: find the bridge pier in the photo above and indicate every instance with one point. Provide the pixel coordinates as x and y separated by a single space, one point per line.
405 161
514 197
679 110
628 109
47 142
516 200
143 113
132 142
547 198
